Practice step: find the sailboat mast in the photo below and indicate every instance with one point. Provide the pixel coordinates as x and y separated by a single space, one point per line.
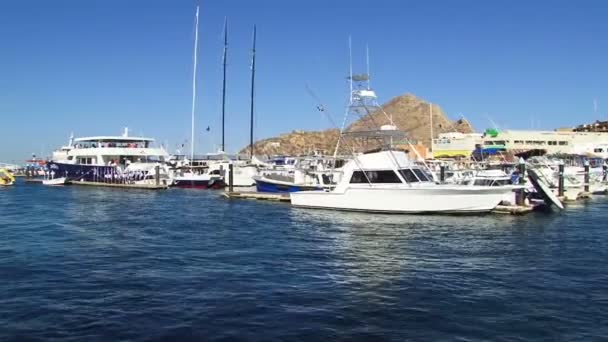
194 87
224 82
252 95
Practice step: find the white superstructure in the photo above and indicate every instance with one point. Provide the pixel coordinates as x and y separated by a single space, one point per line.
110 150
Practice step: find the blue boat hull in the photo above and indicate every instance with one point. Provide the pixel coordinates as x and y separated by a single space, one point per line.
265 186
94 173
200 184
87 173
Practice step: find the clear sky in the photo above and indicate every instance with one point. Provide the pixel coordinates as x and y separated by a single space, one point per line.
94 67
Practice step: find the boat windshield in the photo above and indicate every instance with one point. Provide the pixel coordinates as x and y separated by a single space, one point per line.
380 176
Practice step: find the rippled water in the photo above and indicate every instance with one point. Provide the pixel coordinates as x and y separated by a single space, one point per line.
89 264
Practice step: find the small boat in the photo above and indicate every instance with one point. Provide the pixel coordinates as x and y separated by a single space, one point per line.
198 181
55 181
543 189
6 178
280 183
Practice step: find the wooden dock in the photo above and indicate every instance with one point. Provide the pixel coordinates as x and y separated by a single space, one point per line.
122 186
257 196
107 185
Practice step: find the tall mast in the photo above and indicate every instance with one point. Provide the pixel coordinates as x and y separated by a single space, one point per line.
194 87
224 81
252 94
431 120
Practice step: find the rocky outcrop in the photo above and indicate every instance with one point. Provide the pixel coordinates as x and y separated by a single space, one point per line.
409 113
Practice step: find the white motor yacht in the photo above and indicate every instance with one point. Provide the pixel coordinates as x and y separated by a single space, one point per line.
388 181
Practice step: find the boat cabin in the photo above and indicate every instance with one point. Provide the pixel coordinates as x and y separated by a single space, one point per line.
383 168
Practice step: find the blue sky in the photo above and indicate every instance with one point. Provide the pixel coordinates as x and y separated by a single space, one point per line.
93 67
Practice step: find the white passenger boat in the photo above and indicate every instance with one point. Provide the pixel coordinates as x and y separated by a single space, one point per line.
388 181
112 159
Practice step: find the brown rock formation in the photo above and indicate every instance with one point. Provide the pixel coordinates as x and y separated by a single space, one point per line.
409 113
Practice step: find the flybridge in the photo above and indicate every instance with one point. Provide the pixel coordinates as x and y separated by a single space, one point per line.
111 139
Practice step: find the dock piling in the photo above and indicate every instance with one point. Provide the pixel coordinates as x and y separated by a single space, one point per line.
560 188
520 195
586 185
157 175
230 177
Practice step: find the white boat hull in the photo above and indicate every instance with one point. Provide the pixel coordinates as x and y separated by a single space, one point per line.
440 199
55 181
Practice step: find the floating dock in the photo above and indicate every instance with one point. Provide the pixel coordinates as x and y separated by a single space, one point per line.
122 185
513 209
108 185
257 196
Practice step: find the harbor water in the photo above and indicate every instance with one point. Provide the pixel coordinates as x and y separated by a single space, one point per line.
87 264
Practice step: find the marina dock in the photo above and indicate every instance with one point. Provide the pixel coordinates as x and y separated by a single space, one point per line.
257 196
108 185
122 185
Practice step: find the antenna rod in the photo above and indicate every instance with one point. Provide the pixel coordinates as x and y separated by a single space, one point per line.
367 62
194 88
350 63
252 94
224 82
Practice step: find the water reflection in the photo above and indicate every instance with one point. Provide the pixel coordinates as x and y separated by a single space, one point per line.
375 249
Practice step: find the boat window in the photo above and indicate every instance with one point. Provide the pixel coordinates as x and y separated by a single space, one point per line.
563 143
408 175
382 176
327 179
422 175
484 182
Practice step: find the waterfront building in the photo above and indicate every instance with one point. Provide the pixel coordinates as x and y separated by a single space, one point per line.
455 145
552 142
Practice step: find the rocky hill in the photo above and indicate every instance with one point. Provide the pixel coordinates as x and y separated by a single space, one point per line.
409 113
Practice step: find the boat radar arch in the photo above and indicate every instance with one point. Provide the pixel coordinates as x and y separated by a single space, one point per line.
360 94
388 128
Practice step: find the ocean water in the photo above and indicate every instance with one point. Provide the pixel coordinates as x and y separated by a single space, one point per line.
88 264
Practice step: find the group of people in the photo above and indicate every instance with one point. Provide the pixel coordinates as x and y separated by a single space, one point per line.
110 144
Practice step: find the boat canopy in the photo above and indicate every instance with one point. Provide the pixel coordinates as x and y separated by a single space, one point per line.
112 139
